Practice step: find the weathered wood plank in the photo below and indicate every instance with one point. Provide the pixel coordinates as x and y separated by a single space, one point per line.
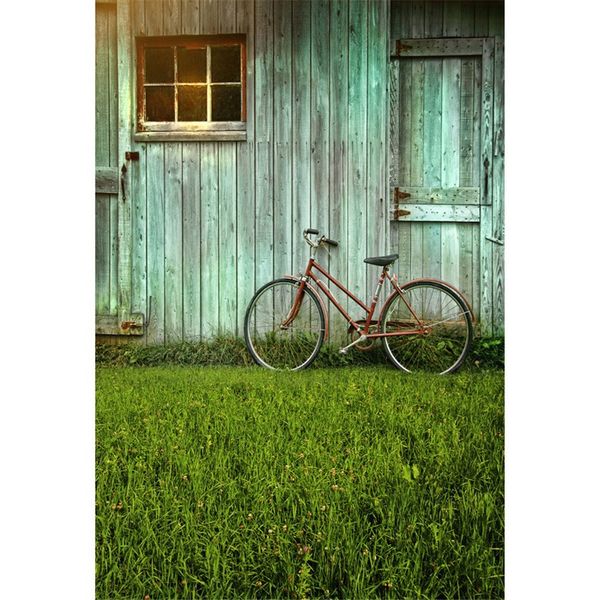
190 17
497 30
466 268
264 140
155 242
357 128
124 66
245 174
377 101
102 88
227 240
434 20
113 89
487 116
486 229
466 122
171 17
209 17
338 157
153 15
102 258
209 239
431 195
282 133
300 131
107 180
451 84
190 179
481 28
227 16
173 244
114 209
452 19
436 212
138 17
411 48
319 117
139 234
432 137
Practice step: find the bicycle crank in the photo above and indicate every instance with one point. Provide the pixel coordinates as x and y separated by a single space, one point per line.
365 344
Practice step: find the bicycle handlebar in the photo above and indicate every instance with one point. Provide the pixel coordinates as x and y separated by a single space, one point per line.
321 241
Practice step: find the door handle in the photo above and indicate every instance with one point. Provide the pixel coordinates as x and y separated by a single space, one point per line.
486 165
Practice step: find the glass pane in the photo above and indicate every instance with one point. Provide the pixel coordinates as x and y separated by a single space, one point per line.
160 65
191 65
225 63
226 102
160 103
192 103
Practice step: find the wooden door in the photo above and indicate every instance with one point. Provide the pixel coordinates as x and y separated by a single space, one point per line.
113 178
440 161
106 159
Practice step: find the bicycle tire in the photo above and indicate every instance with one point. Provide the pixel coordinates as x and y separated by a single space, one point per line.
272 346
441 309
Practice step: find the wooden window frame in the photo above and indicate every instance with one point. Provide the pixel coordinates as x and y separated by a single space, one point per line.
148 131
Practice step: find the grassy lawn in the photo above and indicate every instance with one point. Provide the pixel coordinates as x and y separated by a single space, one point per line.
347 482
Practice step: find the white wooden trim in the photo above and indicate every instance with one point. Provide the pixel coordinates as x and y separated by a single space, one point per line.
190 136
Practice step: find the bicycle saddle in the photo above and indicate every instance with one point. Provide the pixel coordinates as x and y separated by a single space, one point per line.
382 261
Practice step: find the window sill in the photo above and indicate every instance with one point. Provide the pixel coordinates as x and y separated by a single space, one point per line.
190 136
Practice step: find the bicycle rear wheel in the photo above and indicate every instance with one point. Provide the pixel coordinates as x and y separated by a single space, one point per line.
448 328
275 340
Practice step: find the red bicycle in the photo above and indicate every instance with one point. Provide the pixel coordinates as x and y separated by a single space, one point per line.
424 324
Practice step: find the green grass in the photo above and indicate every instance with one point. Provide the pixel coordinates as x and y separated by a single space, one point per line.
486 353
346 482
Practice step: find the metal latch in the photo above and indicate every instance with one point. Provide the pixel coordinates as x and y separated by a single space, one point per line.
494 240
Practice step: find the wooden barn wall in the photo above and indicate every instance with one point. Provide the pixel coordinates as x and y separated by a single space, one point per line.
213 221
106 156
450 251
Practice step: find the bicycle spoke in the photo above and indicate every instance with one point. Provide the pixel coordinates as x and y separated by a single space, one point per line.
280 334
447 334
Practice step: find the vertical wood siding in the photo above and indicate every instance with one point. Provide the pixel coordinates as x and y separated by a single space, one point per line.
213 221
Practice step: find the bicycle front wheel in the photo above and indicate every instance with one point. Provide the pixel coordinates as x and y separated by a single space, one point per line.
444 320
283 330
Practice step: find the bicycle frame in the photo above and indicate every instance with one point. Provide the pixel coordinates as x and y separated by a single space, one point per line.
369 310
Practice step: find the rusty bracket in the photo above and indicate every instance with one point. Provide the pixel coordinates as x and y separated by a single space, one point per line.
132 156
400 47
399 195
398 212
127 325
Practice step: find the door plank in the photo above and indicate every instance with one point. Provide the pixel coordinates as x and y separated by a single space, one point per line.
411 48
457 213
434 195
